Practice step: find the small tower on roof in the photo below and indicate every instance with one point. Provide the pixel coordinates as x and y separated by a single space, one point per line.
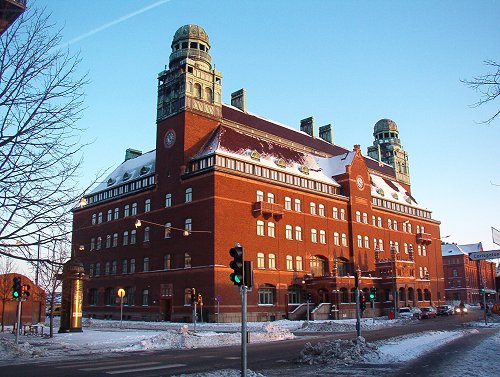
387 148
189 82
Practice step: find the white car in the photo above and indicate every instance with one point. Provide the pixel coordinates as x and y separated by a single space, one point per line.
405 312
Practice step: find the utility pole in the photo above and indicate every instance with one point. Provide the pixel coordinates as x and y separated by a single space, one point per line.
358 316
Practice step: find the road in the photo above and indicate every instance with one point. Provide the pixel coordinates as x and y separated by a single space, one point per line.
271 358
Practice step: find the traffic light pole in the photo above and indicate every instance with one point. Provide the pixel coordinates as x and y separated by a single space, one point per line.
244 331
358 316
18 319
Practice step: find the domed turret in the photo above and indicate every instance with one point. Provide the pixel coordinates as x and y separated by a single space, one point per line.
191 41
387 148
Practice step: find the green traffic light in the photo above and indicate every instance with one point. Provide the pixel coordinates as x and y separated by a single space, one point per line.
15 294
372 296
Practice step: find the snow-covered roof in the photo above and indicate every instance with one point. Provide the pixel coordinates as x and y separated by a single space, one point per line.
128 170
336 165
450 249
390 190
265 152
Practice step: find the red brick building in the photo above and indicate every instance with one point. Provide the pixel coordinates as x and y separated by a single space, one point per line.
463 276
309 213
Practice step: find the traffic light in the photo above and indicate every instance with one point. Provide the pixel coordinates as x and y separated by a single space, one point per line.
237 265
26 290
373 293
248 275
362 302
481 289
193 295
309 297
16 287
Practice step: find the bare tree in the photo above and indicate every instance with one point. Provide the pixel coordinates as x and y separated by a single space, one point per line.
488 86
41 99
49 274
5 284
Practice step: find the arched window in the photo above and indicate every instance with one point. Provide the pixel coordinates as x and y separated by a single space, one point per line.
318 265
208 95
344 240
272 261
168 200
294 296
358 216
168 230
266 294
189 195
188 224
260 228
419 295
270 229
314 236
260 260
342 267
289 263
197 90
298 233
336 239
298 264
146 234
427 295
322 237
321 210
344 296
270 197
360 241
260 196
353 295
312 207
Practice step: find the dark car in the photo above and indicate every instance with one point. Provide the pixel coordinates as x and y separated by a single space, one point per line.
445 310
427 312
461 310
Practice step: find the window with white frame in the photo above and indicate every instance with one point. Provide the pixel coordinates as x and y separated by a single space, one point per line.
404 226
358 216
270 229
418 229
421 272
168 230
342 214
396 246
187 260
188 224
395 225
133 236
146 234
270 197
379 222
92 244
335 213
108 241
260 196
115 239
145 297
126 211
374 221
424 250
260 260
298 263
409 227
288 203
266 294
132 265
134 209
405 246
389 224
297 205
98 244
321 210
94 219
375 243
422 229
381 245
314 236
116 213
289 263
260 228
367 242
419 250
188 195
344 239
298 233
110 215
168 200
99 218
288 232
145 265
365 218
322 237
336 239
147 205
360 241
271 261
312 208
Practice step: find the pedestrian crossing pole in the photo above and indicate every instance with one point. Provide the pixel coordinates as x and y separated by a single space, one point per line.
244 290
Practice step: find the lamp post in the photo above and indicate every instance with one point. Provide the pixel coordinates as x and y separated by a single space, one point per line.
394 285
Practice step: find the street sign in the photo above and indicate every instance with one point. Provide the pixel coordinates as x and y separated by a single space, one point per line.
480 255
495 233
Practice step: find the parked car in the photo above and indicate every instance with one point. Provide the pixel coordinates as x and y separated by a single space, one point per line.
427 312
407 312
445 310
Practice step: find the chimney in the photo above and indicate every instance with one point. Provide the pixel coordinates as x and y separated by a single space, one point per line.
239 99
325 133
307 126
132 153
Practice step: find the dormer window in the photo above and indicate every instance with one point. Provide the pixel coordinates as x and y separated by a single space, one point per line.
304 169
281 163
254 155
111 182
145 169
126 176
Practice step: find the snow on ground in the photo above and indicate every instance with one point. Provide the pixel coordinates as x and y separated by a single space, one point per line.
105 336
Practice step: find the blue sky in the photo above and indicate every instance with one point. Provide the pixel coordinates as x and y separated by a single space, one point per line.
348 63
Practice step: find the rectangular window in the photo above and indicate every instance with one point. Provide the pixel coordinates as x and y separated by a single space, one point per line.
134 209
260 260
126 211
133 236
99 218
168 200
145 297
167 262
146 264
117 213
288 232
125 238
297 205
270 230
110 215
335 213
288 203
314 236
147 205
259 196
272 261
187 260
189 195
312 207
322 237
168 230
115 239
132 266
298 263
321 210
124 266
289 263
298 233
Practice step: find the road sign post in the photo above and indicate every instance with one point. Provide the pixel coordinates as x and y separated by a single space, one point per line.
480 255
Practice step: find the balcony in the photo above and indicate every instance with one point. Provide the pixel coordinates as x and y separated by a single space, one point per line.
424 238
268 209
